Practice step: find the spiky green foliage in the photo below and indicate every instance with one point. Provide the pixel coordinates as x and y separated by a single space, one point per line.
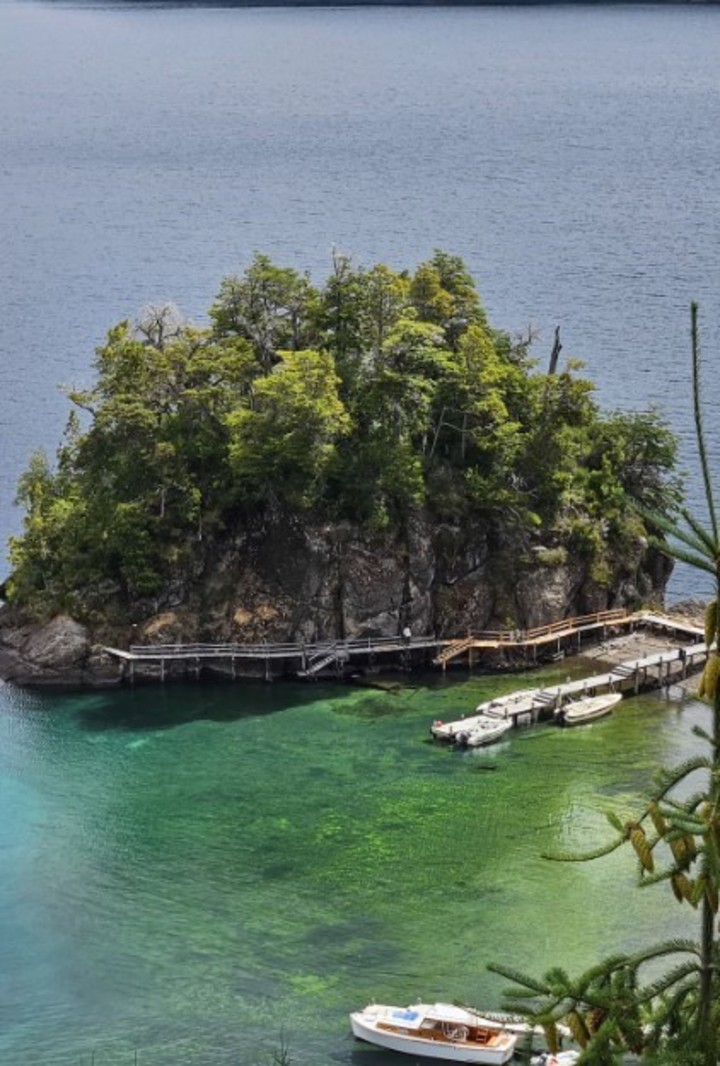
677 840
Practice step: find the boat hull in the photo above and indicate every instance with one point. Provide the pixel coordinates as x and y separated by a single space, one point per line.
411 1043
507 707
483 734
588 710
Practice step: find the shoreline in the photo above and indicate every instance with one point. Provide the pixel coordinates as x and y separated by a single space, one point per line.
63 654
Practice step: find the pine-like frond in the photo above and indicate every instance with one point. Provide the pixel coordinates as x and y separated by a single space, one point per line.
700 532
688 537
615 821
533 986
697 411
599 1051
698 562
667 981
670 527
686 806
597 853
668 778
662 875
704 735
675 946
667 1008
604 970
682 824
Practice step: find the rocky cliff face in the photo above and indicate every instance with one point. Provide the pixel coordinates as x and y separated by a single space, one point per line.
291 582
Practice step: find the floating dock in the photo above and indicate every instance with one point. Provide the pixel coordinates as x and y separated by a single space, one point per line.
629 678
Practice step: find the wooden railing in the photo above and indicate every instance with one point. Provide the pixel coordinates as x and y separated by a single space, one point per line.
522 637
583 621
287 650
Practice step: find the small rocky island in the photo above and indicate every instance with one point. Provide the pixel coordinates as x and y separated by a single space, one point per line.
328 462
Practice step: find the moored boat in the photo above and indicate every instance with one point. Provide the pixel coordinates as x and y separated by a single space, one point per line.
436 1031
520 702
484 731
501 707
577 712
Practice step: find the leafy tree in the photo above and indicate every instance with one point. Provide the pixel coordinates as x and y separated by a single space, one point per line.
366 399
269 306
386 300
341 320
282 444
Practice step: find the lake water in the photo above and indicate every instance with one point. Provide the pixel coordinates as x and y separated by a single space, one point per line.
198 873
193 872
569 154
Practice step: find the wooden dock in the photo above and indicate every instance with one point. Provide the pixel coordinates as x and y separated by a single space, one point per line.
629 678
564 635
304 660
311 660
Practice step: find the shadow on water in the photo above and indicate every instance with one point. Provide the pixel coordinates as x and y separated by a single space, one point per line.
169 706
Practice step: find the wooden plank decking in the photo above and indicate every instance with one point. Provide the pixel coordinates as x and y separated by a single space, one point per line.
310 659
629 678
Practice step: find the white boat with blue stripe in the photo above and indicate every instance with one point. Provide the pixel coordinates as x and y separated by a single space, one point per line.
435 1031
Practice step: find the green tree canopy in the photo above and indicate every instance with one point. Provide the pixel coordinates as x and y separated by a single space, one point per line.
377 393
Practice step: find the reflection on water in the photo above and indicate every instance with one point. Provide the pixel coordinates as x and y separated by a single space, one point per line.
189 870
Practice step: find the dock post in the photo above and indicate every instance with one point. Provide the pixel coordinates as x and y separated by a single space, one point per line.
132 672
232 664
197 667
162 667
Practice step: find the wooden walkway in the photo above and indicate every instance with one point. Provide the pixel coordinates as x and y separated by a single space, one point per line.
304 660
308 660
566 632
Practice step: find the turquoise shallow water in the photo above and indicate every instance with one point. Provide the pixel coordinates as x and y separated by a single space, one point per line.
201 872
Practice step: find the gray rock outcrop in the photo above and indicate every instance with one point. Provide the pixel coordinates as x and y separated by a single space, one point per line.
289 581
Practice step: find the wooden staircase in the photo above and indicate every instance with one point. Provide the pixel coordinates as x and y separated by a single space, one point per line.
336 656
450 651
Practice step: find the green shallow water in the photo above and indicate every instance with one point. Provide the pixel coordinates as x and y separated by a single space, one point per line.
195 871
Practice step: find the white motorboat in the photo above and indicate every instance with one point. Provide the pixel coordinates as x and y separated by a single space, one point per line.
436 1031
577 712
484 731
501 707
520 702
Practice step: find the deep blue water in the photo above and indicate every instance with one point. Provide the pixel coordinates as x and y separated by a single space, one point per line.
570 154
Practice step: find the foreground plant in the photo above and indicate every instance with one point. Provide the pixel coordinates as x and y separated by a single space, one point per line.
676 1017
